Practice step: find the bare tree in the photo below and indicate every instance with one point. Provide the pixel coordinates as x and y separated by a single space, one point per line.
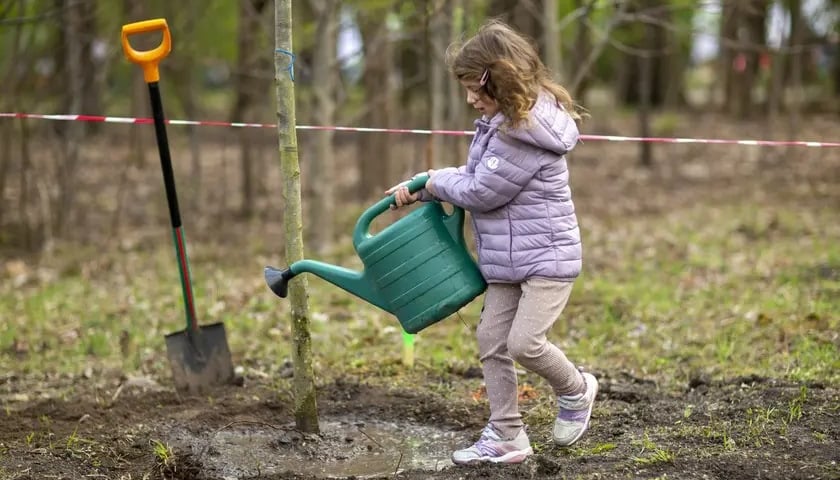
305 408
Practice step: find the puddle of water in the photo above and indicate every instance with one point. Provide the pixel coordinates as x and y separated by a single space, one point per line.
346 447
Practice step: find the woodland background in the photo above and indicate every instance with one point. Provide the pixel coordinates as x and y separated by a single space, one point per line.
708 306
374 63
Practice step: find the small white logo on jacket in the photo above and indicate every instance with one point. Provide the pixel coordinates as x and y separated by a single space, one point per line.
493 163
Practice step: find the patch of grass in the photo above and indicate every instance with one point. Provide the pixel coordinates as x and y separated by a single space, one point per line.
813 359
725 291
164 456
720 431
651 453
759 420
602 448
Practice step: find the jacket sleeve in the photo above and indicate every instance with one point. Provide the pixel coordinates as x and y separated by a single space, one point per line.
504 170
424 195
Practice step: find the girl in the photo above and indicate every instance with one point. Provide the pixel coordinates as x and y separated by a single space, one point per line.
516 186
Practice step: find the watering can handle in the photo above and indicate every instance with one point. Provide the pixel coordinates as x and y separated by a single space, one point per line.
362 231
147 59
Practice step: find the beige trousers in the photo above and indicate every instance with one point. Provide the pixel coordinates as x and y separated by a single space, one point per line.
514 322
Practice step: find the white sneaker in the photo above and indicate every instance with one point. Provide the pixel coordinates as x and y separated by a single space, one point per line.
491 448
574 412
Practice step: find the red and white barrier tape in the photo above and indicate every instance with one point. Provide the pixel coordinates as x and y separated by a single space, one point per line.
607 138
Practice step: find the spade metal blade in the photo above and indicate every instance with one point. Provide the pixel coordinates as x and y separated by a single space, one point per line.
200 359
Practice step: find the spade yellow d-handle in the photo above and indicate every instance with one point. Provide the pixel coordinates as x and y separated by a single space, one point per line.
148 59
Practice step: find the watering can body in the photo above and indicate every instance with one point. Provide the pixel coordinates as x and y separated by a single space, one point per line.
418 268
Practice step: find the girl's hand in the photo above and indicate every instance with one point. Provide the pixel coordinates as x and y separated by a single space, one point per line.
402 197
401 194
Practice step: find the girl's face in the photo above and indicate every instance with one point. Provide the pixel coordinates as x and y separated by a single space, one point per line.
478 98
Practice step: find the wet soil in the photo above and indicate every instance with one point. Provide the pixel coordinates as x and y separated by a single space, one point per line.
734 429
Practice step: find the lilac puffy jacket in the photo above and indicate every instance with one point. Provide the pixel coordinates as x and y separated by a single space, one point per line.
516 185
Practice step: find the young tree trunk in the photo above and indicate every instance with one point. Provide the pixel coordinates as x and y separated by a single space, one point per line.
305 407
321 181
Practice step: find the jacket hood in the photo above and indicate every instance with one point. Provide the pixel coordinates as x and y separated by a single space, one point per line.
548 126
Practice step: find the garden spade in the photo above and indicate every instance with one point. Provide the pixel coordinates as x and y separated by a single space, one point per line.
199 355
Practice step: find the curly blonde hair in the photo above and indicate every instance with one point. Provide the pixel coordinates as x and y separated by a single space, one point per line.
515 74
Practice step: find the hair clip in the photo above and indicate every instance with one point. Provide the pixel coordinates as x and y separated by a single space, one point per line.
484 77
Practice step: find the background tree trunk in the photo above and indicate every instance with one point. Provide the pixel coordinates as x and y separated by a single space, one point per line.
182 73
305 408
138 138
795 46
551 39
646 78
587 55
743 28
72 49
376 158
436 34
457 108
9 104
321 181
649 36
778 76
523 15
249 91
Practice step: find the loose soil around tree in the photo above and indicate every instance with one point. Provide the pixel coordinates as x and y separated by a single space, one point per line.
733 429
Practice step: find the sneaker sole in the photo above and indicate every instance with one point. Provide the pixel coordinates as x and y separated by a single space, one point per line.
518 456
588 417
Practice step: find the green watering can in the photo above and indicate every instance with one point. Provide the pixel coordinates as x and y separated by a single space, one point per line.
418 268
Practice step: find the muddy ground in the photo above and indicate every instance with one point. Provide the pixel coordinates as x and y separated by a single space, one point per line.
104 425
109 428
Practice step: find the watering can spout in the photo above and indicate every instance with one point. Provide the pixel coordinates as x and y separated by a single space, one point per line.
278 280
346 279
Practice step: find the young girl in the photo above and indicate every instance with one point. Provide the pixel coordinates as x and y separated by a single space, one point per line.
516 185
